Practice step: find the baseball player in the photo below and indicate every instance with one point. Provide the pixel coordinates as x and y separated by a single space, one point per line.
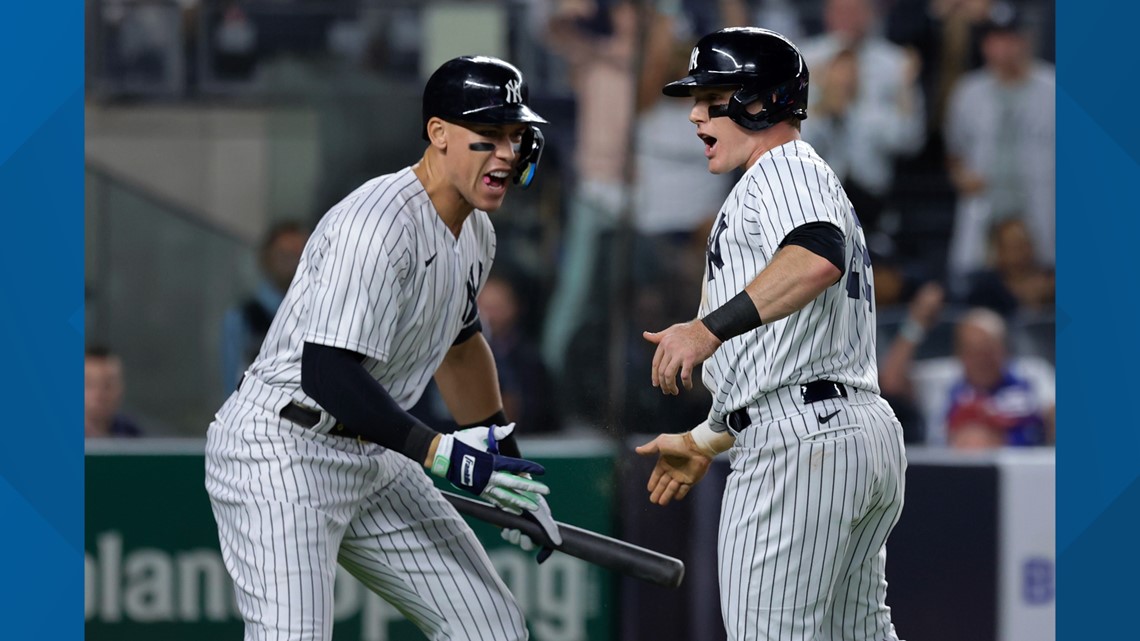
786 335
314 460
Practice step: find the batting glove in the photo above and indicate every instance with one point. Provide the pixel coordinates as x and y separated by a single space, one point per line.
549 525
542 514
463 459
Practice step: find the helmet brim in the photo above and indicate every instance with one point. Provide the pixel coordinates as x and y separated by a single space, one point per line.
684 87
502 114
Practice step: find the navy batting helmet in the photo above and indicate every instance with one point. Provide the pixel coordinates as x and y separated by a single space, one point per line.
763 64
477 89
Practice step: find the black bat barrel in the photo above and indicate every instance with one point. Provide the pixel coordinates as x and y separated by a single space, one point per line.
595 548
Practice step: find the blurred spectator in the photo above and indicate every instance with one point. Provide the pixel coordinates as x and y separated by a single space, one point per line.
1015 280
991 404
144 43
103 396
1000 143
235 44
947 36
597 41
896 279
528 396
867 110
980 397
674 193
894 372
781 16
245 326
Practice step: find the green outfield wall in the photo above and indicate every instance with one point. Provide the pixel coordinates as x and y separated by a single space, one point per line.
153 570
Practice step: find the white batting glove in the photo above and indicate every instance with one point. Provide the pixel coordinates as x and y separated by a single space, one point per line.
544 517
477 436
516 537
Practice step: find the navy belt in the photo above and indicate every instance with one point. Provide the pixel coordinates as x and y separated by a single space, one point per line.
307 418
812 392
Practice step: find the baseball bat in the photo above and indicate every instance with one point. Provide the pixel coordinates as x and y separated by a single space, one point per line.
607 552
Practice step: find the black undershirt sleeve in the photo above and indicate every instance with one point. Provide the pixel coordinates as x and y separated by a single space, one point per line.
467 332
337 380
822 239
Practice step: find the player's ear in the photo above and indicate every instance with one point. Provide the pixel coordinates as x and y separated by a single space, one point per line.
437 133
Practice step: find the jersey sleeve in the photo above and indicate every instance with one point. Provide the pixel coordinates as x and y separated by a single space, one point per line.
784 193
356 293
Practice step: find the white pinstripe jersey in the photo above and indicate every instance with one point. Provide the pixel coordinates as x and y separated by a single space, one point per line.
833 337
383 276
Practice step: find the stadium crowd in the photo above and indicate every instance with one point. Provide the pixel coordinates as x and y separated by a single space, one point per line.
937 115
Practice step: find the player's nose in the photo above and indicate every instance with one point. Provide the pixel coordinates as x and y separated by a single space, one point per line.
698 114
507 151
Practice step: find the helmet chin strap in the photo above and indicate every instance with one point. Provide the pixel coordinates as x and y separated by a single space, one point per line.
775 110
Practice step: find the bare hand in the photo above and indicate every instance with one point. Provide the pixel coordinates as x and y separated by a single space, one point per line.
679 465
927 304
840 85
968 181
680 348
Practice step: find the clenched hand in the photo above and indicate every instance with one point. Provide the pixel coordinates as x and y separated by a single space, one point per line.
680 348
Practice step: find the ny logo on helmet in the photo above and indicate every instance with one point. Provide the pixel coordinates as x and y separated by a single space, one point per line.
693 60
514 91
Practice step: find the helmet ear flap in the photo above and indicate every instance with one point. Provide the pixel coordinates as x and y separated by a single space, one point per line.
529 153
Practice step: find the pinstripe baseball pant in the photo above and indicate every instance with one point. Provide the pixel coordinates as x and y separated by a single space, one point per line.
806 513
291 503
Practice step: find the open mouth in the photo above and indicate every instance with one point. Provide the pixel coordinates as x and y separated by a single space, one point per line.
710 144
496 180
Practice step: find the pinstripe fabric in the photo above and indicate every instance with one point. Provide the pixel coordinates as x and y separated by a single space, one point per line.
290 503
383 276
805 518
811 498
833 337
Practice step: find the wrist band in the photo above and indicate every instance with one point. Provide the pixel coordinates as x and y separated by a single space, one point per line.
912 331
735 317
709 442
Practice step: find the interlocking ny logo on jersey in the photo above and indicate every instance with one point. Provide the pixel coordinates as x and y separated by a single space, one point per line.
712 251
514 92
472 309
467 470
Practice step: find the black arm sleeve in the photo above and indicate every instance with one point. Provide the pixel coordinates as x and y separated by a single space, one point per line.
336 379
822 239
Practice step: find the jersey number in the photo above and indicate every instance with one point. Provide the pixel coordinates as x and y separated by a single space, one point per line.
858 281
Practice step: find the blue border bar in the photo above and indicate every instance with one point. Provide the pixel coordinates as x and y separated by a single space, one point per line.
1098 344
41 294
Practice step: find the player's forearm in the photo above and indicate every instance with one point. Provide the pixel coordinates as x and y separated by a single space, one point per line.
336 379
468 381
794 278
